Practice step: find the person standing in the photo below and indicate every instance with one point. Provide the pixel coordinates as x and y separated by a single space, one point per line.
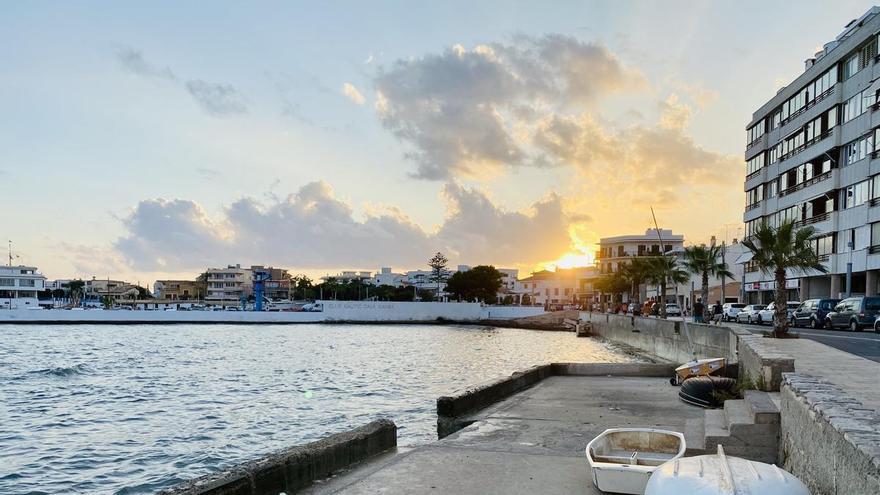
717 311
698 310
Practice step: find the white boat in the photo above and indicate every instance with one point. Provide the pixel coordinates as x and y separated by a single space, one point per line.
722 475
622 459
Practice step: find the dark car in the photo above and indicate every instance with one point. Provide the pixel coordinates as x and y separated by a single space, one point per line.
854 313
812 312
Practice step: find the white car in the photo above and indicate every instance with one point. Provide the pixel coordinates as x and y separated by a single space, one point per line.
766 314
731 310
673 310
749 314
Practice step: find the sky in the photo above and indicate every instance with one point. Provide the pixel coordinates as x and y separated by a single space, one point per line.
155 140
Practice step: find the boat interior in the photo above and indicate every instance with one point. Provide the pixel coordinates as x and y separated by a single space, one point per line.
637 448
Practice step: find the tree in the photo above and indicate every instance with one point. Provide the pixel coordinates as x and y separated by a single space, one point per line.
77 290
636 272
614 283
480 283
776 250
705 261
438 270
665 269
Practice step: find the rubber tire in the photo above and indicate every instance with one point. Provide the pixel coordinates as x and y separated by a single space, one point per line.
749 321
876 328
814 324
828 324
854 326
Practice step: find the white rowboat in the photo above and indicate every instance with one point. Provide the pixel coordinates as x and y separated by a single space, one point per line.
622 459
722 475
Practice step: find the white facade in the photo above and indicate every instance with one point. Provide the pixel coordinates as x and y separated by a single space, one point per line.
347 276
614 250
228 285
385 276
19 286
569 286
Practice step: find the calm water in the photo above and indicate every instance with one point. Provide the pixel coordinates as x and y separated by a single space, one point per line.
131 409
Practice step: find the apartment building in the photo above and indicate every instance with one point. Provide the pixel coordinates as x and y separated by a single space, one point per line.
621 249
228 286
811 157
565 286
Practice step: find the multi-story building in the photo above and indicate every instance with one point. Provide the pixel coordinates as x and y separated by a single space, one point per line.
812 158
228 286
620 249
180 290
98 289
347 276
19 286
278 286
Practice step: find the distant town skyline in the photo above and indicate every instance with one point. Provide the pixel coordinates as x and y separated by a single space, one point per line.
154 141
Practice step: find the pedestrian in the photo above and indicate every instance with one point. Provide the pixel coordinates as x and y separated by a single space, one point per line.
717 311
698 311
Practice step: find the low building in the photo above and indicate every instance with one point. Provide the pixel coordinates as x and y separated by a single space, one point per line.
563 287
385 276
180 290
19 286
348 276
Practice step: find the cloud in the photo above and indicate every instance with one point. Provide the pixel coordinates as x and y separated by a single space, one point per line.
464 111
312 228
217 99
352 93
133 61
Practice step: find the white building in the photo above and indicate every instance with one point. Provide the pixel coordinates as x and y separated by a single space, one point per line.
347 276
19 286
563 287
228 286
620 249
387 277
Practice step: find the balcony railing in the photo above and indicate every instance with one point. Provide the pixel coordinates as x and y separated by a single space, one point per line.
753 206
806 145
821 96
814 219
874 249
824 257
807 183
754 174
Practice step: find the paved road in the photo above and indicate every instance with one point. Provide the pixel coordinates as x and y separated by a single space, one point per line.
865 343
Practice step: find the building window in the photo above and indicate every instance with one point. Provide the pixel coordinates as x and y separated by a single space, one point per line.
755 163
875 235
641 249
620 251
824 245
858 149
26 282
851 66
856 194
7 282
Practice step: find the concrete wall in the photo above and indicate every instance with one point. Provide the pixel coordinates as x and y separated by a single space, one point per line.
509 312
762 365
295 468
666 339
828 439
399 311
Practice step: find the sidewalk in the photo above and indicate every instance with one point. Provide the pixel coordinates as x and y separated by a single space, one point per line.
530 443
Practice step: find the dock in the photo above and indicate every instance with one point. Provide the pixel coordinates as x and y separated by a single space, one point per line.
532 442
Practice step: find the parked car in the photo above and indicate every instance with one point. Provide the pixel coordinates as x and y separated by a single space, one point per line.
877 325
854 313
730 310
634 309
766 314
812 312
749 314
672 309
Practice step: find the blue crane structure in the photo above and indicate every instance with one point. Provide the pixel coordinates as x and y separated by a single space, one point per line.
260 278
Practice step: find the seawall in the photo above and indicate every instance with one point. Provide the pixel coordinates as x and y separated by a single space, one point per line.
292 469
333 312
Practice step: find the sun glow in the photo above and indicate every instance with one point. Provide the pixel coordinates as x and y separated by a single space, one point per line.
570 260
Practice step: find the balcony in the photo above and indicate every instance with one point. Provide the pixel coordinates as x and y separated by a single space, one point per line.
806 145
874 249
753 206
797 187
814 219
821 96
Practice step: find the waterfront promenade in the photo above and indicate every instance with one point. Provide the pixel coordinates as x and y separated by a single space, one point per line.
532 442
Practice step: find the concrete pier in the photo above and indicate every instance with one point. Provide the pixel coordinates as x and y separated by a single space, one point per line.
532 442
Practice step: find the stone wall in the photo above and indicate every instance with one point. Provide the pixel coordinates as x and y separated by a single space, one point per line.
828 439
674 341
295 468
761 364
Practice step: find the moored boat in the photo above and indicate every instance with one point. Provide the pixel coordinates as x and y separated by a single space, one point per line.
622 459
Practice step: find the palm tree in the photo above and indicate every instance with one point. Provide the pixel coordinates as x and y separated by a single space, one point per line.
705 261
636 272
665 269
776 250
